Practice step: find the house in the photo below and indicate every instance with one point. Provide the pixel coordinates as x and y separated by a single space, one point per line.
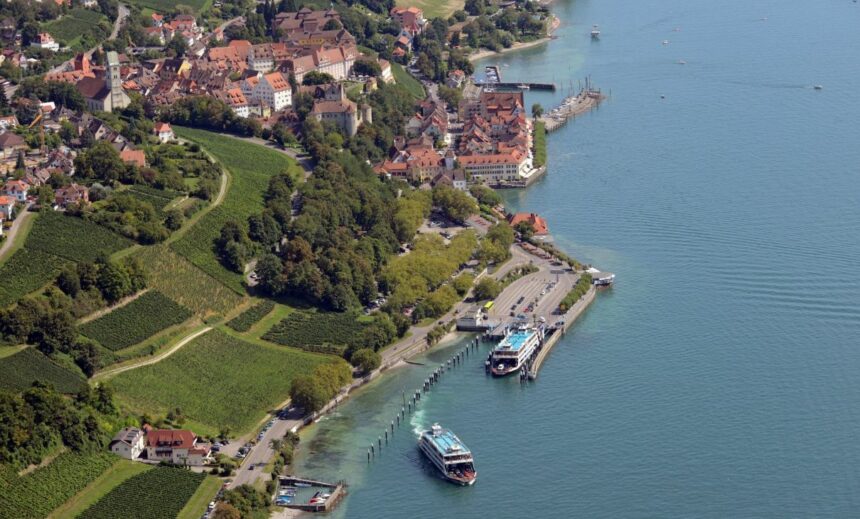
237 101
16 189
178 446
471 320
128 443
537 223
7 205
136 157
11 144
385 68
344 113
410 19
8 122
71 194
164 132
456 78
451 178
274 90
45 41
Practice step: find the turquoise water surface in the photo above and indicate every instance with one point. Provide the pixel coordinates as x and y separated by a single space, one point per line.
719 378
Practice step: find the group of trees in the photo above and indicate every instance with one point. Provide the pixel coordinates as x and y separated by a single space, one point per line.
456 205
210 114
312 392
35 421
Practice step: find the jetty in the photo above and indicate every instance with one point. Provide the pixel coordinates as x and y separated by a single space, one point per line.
523 85
558 330
338 491
587 98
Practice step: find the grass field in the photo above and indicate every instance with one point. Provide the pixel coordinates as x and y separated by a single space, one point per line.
130 324
20 370
434 8
183 282
250 166
405 79
70 27
37 494
167 6
154 494
196 506
217 380
110 479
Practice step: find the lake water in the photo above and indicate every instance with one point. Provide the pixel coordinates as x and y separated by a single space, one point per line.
721 376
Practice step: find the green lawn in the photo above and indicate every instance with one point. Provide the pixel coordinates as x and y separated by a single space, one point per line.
20 370
250 166
405 79
217 380
110 479
196 506
130 324
69 28
185 283
434 8
540 144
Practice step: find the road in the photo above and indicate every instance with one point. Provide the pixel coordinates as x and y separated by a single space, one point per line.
223 26
152 360
12 233
256 460
122 14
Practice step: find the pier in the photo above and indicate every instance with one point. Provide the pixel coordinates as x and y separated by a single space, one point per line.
525 85
569 317
587 98
338 491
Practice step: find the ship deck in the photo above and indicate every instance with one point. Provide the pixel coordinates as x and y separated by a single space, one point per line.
515 341
446 441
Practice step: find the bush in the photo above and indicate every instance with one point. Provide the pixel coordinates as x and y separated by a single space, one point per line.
366 360
579 289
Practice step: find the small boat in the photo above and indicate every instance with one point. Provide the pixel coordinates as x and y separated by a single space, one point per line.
681 62
523 87
302 484
818 87
665 42
595 32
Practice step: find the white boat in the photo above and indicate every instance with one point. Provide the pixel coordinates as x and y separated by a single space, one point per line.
818 87
523 87
595 31
514 350
601 279
449 455
665 42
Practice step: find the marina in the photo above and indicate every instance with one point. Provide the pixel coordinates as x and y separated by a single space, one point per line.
587 99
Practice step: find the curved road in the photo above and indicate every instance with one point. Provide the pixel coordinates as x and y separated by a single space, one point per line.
153 360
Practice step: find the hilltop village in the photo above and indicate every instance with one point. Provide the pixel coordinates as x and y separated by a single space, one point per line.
218 218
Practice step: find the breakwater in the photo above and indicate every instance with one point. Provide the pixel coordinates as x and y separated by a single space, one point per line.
569 318
587 99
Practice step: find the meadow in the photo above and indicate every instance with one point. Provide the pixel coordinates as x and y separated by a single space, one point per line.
130 324
217 381
250 166
36 494
19 371
154 494
405 79
434 8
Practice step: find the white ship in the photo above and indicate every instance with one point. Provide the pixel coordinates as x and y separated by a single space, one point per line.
449 455
514 350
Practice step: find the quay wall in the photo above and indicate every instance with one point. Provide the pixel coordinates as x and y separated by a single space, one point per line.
569 317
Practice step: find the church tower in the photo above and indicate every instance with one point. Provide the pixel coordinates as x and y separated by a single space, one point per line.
118 97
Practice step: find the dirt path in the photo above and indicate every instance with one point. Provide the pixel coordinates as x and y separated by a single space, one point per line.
12 234
121 303
153 360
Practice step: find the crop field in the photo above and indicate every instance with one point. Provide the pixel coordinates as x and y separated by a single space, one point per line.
181 281
136 321
167 6
158 493
251 166
434 8
159 198
217 380
40 492
20 370
25 271
73 238
71 26
244 321
309 330
107 481
405 79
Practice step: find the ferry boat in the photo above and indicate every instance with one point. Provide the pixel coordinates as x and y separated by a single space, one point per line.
601 279
449 455
595 31
512 352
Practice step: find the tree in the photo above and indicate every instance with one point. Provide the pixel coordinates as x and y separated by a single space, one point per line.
332 25
367 67
456 204
308 393
525 229
226 511
366 360
101 161
537 110
315 77
178 46
113 282
69 282
452 96
487 289
4 102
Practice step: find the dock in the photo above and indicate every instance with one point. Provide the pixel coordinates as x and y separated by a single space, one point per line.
338 491
558 332
587 98
525 85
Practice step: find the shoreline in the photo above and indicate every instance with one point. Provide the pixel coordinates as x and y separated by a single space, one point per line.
486 53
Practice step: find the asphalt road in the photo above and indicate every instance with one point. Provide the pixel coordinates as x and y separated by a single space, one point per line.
254 463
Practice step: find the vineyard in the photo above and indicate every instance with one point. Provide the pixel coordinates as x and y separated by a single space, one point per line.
25 271
154 494
19 371
72 238
40 492
136 321
311 330
244 321
251 166
217 380
159 198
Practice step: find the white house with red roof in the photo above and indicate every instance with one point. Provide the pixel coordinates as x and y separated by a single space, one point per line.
7 205
16 189
178 446
164 132
272 90
45 41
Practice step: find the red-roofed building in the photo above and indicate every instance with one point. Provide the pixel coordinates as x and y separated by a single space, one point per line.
538 224
136 157
410 19
178 446
72 194
164 132
7 204
16 189
496 167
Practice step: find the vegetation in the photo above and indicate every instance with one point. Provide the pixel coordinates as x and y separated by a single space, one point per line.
130 324
25 271
485 196
244 321
405 79
540 144
217 380
244 500
37 494
157 493
251 167
366 360
77 25
19 371
454 204
115 475
157 198
196 506
72 238
487 289
324 332
167 6
579 289
312 392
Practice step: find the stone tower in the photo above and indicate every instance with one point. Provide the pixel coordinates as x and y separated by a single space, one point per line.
118 98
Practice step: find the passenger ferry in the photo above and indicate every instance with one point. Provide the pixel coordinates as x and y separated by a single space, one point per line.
449 455
511 354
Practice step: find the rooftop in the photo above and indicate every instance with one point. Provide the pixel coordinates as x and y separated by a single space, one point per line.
516 340
447 442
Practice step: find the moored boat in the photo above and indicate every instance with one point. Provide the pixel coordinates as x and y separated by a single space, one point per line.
514 350
449 455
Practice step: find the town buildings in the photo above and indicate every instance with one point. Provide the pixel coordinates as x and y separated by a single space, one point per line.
178 446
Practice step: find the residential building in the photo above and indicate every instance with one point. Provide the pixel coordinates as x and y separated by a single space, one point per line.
537 223
45 41
136 157
178 446
8 122
386 75
237 101
16 189
71 194
164 132
7 206
496 167
410 19
11 144
128 443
